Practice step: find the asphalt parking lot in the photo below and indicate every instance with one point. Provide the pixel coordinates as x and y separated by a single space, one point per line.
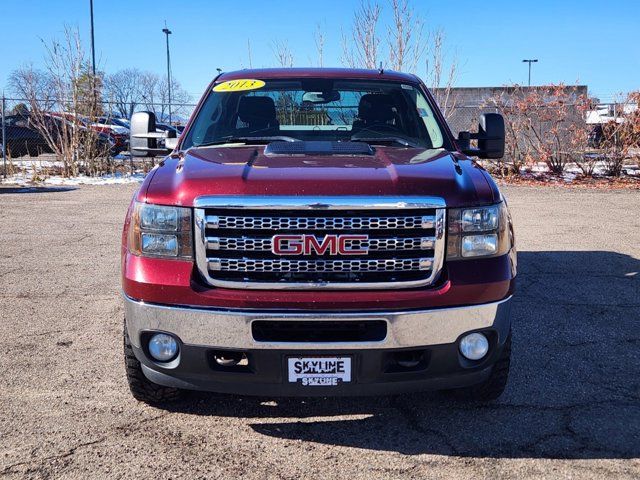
571 410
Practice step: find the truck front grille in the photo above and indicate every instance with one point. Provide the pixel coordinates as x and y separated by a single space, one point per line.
399 242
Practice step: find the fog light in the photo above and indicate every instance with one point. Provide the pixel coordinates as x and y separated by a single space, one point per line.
474 346
163 347
479 245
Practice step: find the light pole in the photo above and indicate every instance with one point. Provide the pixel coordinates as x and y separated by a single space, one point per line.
4 142
93 60
93 50
530 61
167 32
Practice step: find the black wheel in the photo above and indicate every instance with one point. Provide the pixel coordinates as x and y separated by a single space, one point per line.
34 151
493 387
141 387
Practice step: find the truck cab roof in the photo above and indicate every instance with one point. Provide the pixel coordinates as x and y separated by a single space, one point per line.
329 73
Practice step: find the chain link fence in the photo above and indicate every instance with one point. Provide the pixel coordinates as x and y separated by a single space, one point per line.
31 141
44 136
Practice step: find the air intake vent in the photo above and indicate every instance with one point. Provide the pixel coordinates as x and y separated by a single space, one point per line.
318 148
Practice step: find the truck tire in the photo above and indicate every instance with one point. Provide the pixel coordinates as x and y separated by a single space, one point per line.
492 387
141 387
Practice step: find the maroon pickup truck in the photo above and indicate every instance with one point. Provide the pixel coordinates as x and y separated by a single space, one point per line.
317 232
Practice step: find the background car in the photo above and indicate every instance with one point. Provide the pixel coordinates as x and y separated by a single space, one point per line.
56 123
22 137
163 127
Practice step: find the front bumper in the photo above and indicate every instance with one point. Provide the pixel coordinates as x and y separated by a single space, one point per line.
430 335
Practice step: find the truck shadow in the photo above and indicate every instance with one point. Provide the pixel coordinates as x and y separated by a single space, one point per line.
28 189
574 389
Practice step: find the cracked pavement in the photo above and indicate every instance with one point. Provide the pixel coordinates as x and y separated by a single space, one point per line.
571 409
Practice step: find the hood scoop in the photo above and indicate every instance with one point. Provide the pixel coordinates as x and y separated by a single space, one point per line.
318 148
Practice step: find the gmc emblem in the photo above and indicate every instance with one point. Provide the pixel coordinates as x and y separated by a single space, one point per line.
309 245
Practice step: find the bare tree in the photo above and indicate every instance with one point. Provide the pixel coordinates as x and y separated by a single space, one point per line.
29 83
154 95
319 39
282 52
249 52
123 90
149 88
68 85
360 49
404 37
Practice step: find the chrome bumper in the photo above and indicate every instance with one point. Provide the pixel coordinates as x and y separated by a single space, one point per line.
232 329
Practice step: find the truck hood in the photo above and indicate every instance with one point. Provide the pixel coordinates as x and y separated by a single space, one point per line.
247 170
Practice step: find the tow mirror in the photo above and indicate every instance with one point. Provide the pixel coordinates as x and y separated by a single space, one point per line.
490 137
144 140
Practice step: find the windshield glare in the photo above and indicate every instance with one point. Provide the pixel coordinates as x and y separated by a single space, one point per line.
389 113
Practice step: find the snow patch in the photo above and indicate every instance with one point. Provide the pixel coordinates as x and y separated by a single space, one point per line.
115 179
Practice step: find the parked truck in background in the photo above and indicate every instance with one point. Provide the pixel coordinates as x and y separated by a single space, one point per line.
317 232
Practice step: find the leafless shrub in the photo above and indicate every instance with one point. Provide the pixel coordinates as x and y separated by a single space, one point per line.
404 37
441 73
319 40
249 53
544 124
621 134
282 52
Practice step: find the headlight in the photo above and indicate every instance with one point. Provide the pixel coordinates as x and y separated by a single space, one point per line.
480 219
478 232
159 231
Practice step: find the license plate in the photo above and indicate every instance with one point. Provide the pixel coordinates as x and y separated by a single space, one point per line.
319 371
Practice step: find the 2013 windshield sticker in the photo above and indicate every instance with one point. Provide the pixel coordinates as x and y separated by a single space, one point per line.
238 85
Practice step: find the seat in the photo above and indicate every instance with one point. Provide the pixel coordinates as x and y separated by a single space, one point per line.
258 113
375 110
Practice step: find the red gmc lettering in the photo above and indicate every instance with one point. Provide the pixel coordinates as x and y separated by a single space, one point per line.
287 244
329 242
346 249
310 245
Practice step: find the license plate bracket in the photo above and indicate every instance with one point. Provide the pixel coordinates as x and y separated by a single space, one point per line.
319 371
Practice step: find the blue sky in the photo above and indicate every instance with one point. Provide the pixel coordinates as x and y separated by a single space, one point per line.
590 42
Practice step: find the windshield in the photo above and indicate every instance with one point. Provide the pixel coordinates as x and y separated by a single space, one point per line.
377 112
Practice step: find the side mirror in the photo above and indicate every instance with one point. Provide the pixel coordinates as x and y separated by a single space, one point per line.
490 137
144 138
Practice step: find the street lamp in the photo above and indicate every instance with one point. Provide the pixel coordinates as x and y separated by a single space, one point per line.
93 61
530 61
168 32
93 50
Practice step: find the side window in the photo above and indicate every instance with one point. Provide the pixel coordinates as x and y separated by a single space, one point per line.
17 121
427 116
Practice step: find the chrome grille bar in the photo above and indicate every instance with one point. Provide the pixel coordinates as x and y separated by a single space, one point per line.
319 223
251 244
279 265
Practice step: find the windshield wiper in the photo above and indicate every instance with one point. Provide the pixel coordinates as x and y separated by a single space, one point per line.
248 140
402 141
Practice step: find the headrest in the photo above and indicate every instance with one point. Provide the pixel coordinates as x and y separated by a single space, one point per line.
253 109
376 107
